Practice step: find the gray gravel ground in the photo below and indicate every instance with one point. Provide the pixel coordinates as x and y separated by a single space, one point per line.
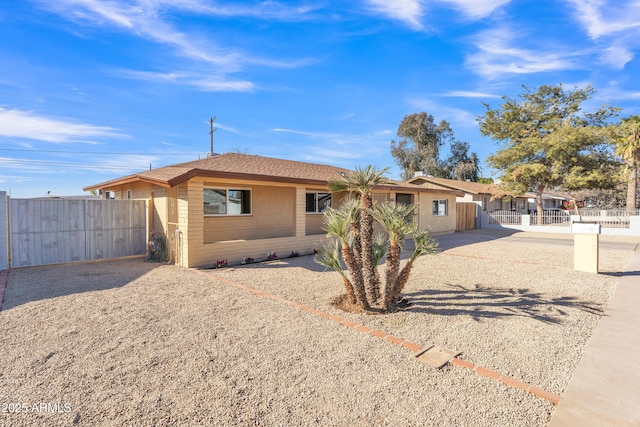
130 342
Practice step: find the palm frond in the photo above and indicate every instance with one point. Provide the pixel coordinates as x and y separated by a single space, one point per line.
396 219
424 244
329 256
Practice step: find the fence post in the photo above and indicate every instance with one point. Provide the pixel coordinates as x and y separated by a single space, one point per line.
4 231
634 225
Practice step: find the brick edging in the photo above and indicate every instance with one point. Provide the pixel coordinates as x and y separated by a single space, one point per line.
512 382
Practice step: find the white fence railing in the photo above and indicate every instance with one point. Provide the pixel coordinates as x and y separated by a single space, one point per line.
613 218
505 217
555 217
612 222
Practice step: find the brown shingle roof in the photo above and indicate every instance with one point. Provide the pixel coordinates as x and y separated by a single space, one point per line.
453 184
243 166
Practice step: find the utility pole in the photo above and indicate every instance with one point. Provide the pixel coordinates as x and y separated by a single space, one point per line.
211 131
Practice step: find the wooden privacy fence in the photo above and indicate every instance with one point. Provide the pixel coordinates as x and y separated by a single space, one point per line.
53 231
466 216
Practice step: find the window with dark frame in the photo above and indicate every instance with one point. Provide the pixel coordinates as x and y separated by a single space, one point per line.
317 202
439 208
220 201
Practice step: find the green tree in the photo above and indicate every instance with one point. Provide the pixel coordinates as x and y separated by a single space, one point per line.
461 165
627 139
361 250
420 144
547 142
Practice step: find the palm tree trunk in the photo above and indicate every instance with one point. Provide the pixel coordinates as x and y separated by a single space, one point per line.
357 282
348 287
631 187
366 233
392 267
402 280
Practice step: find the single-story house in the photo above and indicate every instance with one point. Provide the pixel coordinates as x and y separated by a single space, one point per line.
235 206
474 192
484 195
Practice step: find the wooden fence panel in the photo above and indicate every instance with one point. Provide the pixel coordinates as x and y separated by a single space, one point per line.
466 216
53 231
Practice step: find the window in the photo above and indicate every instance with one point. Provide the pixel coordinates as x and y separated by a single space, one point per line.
404 199
128 194
439 208
317 202
219 201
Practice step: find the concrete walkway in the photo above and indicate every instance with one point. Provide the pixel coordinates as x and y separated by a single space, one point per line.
605 388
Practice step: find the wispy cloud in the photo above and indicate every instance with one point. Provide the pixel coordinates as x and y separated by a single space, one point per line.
26 124
476 9
601 17
201 81
267 10
341 148
412 12
469 94
614 26
123 163
616 56
495 57
147 20
409 12
456 116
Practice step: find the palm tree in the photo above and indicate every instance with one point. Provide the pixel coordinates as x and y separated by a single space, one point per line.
397 221
338 223
423 244
362 249
329 256
362 181
628 146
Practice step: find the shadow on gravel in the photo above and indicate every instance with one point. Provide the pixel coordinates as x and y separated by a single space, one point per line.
29 284
484 302
468 237
620 273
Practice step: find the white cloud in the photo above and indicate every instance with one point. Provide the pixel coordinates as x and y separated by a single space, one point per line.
146 19
327 146
268 10
495 57
476 9
469 94
200 81
456 116
411 12
616 56
614 25
601 17
25 124
408 11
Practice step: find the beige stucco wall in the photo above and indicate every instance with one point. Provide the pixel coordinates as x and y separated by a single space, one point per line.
272 215
278 222
436 224
199 253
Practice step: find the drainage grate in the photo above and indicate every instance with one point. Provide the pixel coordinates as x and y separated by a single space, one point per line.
435 356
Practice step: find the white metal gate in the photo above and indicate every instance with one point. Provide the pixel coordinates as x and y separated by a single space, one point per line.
53 231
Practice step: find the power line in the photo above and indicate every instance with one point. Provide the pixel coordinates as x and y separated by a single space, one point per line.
31 150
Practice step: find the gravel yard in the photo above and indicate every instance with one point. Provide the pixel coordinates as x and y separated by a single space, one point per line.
131 342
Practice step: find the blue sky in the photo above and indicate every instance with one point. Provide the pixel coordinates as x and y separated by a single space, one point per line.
92 90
